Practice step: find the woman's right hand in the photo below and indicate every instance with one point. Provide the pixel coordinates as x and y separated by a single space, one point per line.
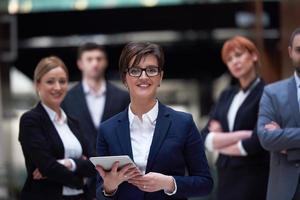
112 179
215 126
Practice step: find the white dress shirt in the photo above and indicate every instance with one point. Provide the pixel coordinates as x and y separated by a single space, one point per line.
297 79
141 135
236 103
95 101
72 146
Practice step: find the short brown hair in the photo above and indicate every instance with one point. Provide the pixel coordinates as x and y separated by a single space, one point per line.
293 35
239 42
139 50
47 64
90 46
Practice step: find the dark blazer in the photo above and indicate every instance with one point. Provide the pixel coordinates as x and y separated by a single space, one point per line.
257 160
176 148
41 147
75 105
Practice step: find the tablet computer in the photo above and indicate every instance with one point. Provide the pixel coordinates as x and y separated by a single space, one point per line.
107 161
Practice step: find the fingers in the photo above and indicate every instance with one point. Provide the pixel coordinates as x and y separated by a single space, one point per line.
100 171
132 174
37 175
275 124
115 167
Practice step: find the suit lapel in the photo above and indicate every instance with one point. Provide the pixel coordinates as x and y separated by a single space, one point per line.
161 129
293 99
80 96
123 134
253 93
227 106
53 134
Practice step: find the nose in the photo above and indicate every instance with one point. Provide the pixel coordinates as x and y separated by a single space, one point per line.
57 85
143 75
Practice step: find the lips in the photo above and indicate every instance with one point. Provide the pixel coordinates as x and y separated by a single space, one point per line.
143 85
57 95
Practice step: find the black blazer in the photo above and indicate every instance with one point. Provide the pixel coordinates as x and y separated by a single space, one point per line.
75 105
41 147
246 119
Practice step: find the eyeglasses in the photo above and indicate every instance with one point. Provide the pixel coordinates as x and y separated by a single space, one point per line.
149 70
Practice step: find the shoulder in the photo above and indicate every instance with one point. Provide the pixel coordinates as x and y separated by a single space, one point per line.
182 117
114 121
117 90
73 90
31 115
278 86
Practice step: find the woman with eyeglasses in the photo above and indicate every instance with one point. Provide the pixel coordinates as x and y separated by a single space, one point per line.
242 165
165 144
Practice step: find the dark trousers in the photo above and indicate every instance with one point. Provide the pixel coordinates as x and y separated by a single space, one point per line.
242 183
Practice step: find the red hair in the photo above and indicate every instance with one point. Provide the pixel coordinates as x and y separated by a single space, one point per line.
238 42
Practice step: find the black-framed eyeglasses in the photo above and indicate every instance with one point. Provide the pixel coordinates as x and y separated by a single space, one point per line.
149 70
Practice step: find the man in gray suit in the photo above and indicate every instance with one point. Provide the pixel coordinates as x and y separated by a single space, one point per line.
279 129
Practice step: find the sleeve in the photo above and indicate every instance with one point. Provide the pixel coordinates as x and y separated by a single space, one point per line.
36 147
279 139
102 150
209 141
214 113
252 145
241 149
199 181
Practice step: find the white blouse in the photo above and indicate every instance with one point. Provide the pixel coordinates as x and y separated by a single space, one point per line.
72 146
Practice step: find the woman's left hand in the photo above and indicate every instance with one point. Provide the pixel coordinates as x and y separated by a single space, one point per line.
153 182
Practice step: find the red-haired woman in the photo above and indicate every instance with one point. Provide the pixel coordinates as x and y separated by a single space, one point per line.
242 164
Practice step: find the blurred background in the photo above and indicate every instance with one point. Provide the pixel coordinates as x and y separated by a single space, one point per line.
190 31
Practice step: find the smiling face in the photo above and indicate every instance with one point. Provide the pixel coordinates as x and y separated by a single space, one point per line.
144 87
241 63
52 87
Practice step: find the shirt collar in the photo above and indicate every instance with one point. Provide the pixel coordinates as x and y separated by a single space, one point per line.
251 85
151 115
297 78
53 116
88 90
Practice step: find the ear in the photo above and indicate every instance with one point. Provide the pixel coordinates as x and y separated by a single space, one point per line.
161 77
254 57
290 51
79 64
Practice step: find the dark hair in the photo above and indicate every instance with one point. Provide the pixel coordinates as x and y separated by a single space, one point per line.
137 51
293 35
89 47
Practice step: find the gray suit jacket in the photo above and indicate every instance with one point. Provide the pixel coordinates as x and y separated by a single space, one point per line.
279 103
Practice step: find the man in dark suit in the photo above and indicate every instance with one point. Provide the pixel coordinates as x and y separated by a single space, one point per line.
279 129
93 100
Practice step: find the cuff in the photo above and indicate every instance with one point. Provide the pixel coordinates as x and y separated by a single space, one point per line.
74 167
109 195
175 190
209 141
242 149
